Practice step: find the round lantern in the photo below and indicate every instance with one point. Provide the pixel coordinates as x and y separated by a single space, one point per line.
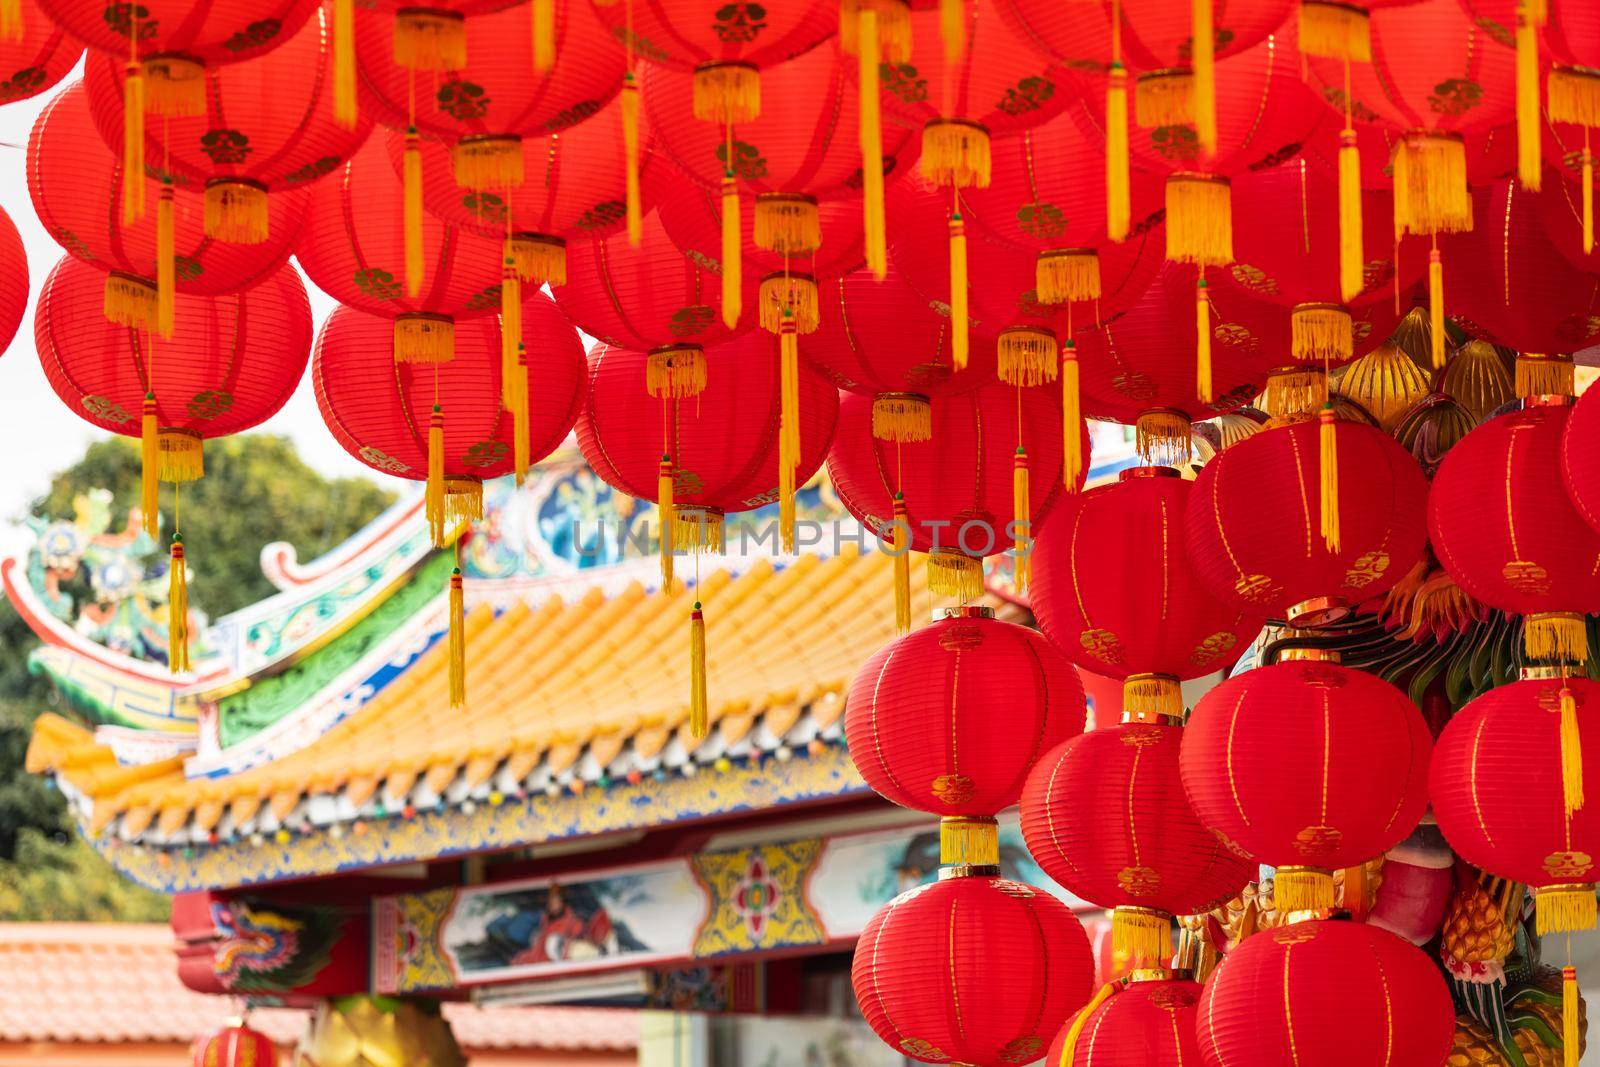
76 185
179 39
1504 528
1114 587
1148 1021
1106 816
1308 766
1322 993
1254 518
1580 457
353 248
949 719
234 1046
933 952
950 496
39 57
263 127
13 281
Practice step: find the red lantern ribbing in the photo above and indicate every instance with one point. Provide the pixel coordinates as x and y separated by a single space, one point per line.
13 281
1148 1021
1323 993
38 56
1309 766
1106 816
925 726
1114 587
1580 457
933 952
1506 531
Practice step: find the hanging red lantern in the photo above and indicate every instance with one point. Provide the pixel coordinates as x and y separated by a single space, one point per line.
1253 521
13 281
920 722
35 54
1309 766
1506 531
1326 992
1571 39
1580 445
76 184
262 127
236 1045
1146 1020
934 951
949 496
1114 587
353 248
1105 815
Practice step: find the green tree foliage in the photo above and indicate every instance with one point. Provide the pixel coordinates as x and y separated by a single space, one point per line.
256 490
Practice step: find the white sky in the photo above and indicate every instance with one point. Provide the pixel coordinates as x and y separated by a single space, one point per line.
38 434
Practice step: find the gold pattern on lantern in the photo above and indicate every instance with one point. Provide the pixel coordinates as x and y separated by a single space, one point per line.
1138 881
953 788
1368 568
1316 840
1526 576
1568 865
1103 645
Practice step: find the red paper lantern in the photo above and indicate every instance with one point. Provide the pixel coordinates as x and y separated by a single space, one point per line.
1150 1022
13 281
212 33
958 484
1323 993
685 35
264 126
1580 457
1499 790
933 952
923 724
1309 766
1155 34
723 442
40 57
234 1046
76 186
1252 525
1114 587
380 411
1106 816
1506 531
647 296
353 248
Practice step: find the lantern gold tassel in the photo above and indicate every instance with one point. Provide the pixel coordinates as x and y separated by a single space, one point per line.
1436 308
902 565
969 840
788 428
544 35
953 29
1067 275
1321 333
666 518
1203 389
177 608
1119 209
1430 184
1153 694
1163 436
1573 96
10 20
960 320
1559 909
487 161
1199 219
423 337
540 258
1329 441
413 213
510 329
150 467
1541 375
630 157
1021 518
1335 30
870 118
727 93
1302 889
789 296
892 19
182 458
787 223
1141 936
1529 167
1351 254
732 245
133 145
1556 636
699 719
433 500
458 641
425 39
955 153
1571 1038
1571 753
1293 390
1588 201
675 371
346 111
131 302
1027 356
521 450
901 417
166 262
1069 1044
1205 76
236 211
1071 419
1164 98
953 573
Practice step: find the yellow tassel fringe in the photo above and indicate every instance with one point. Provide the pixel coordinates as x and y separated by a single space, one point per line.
1199 219
1204 390
971 841
1141 937
544 35
1293 391
1560 909
1321 333
902 565
1153 694
953 29
177 608
732 254
1328 437
1072 457
1556 637
901 417
540 258
346 109
425 39
1588 201
1571 754
182 456
953 573
132 145
1203 38
960 318
891 20
727 93
510 330
1436 334
1067 275
697 529
793 296
666 517
11 29
487 162
1529 167
174 86
458 641
433 499
871 47
1571 1018
412 193
150 467
422 337
166 262
1430 185
1573 96
1118 195
1164 98
1163 437
675 372
955 153
521 449
1027 356
630 157
699 717
788 429
1302 889
1021 519
236 211
1539 375
131 302
463 503
787 223
1352 261
1335 30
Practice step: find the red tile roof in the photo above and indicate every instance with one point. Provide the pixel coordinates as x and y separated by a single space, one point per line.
118 982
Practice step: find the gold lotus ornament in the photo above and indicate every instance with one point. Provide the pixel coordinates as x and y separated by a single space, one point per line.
373 1031
1386 382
